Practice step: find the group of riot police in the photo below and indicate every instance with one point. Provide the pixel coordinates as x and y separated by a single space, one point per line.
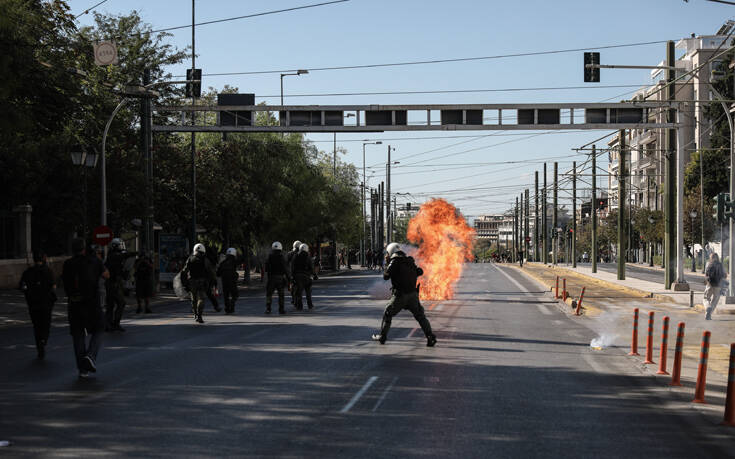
295 270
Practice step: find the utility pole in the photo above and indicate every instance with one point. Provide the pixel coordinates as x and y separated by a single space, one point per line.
535 221
193 135
515 232
544 233
381 231
526 229
622 241
389 221
574 214
670 173
593 209
554 220
146 132
520 228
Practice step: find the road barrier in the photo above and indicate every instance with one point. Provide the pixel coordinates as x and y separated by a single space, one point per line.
578 311
664 345
634 341
649 340
730 399
564 290
702 373
678 350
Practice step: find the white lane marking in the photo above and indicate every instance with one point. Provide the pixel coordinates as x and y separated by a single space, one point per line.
595 366
359 394
541 307
544 309
385 392
410 334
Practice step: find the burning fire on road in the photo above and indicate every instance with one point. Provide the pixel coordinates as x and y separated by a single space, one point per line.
445 242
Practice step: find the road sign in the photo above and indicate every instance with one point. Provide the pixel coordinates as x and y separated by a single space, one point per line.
105 53
102 235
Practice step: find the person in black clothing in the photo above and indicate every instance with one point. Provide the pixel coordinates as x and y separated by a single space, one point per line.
198 276
115 286
212 255
80 275
289 260
38 286
278 277
144 282
227 270
403 273
302 269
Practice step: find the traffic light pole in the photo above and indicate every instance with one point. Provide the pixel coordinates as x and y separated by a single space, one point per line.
670 172
622 240
593 209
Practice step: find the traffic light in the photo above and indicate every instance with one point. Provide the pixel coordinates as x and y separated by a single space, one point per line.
724 207
591 75
194 89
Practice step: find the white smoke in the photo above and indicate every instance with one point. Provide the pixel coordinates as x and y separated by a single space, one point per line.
606 328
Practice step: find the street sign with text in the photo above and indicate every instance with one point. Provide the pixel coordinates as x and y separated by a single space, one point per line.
102 235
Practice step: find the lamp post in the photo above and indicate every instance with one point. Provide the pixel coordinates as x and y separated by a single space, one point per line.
297 73
389 220
692 216
363 241
84 160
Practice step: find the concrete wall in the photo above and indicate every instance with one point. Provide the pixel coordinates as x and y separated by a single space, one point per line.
11 270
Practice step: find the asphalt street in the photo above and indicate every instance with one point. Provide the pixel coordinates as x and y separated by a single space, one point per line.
511 376
651 275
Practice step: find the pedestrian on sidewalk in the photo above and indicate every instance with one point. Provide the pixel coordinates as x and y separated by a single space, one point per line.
715 278
80 275
38 285
144 283
403 274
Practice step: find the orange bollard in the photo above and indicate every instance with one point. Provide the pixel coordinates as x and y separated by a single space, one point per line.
702 373
578 311
564 290
676 372
649 340
664 345
634 341
730 399
556 294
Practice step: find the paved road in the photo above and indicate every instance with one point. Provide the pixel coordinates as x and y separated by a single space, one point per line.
511 376
696 280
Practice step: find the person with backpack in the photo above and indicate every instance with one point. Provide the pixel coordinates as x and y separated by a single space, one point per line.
715 279
143 282
197 277
80 275
38 285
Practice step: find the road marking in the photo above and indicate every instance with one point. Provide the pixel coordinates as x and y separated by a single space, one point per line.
439 308
385 392
359 394
541 307
595 366
544 309
410 334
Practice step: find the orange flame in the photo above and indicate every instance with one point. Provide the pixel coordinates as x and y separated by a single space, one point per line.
445 243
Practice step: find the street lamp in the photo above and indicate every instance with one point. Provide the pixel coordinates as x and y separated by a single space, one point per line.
363 241
84 160
388 214
692 216
297 73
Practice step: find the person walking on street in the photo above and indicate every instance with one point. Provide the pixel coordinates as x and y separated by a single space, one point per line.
212 255
403 273
302 269
115 285
227 271
80 276
38 286
289 259
716 282
197 276
278 277
144 283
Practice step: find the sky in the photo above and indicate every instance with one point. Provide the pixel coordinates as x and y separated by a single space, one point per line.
481 172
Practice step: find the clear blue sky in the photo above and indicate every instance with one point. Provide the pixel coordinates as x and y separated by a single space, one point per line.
385 31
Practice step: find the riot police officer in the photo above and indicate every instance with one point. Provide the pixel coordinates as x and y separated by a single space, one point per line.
227 271
197 276
115 285
278 277
403 273
289 259
302 269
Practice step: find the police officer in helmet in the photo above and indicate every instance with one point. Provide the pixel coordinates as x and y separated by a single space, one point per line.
227 270
302 269
115 285
289 260
278 277
197 276
403 273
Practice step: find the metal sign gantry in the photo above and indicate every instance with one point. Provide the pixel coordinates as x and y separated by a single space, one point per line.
448 117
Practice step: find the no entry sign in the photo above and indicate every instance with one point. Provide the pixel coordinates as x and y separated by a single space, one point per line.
102 235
